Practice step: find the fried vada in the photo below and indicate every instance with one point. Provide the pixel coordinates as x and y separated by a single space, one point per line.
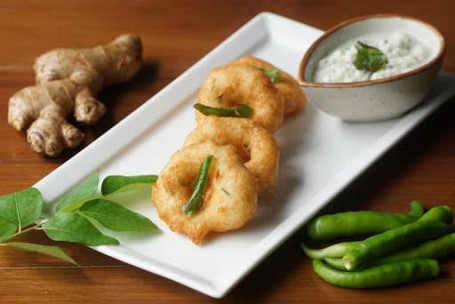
293 97
256 144
233 85
229 198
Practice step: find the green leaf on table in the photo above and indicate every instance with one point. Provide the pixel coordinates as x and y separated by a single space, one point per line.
7 229
120 183
54 251
115 217
21 208
86 189
75 227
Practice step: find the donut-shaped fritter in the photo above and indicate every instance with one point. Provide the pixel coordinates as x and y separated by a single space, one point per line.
293 97
256 144
229 198
233 85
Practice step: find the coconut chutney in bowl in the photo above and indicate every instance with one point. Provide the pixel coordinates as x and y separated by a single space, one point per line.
373 67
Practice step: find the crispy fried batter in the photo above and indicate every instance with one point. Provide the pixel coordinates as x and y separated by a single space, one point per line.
245 153
233 85
230 196
294 99
261 149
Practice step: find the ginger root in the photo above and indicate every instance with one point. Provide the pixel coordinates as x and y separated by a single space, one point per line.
67 81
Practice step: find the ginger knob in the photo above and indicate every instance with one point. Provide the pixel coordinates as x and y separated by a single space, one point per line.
67 82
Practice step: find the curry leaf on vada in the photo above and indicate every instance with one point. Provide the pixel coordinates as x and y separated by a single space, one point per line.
272 74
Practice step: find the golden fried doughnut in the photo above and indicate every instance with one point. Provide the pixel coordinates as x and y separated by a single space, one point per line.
230 196
233 85
262 153
294 99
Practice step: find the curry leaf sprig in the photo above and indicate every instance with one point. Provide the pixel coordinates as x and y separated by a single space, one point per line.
369 58
80 216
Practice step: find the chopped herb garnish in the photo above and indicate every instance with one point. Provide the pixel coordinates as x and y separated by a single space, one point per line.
272 74
239 111
193 205
225 191
219 98
369 58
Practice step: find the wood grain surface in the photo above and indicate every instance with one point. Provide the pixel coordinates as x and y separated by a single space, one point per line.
176 34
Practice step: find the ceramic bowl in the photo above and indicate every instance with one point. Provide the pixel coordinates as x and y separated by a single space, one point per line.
372 100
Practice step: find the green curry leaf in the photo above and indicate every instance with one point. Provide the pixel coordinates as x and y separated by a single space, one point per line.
114 183
21 208
87 188
77 204
79 214
7 229
272 74
54 251
369 58
74 227
115 217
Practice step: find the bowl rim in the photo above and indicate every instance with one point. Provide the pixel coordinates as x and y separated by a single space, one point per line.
303 63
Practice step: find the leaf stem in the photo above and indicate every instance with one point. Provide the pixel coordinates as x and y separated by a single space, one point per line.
20 232
19 216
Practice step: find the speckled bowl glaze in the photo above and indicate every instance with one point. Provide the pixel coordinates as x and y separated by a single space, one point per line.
379 99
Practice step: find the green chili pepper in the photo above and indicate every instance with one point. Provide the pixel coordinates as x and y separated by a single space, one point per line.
239 111
393 240
354 223
194 203
439 213
335 263
333 251
437 248
379 276
416 209
432 249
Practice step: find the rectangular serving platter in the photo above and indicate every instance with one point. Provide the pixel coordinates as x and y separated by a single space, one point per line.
320 155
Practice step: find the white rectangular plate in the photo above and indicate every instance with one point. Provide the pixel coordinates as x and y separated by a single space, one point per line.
320 155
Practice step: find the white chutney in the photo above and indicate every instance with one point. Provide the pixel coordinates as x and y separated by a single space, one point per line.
403 52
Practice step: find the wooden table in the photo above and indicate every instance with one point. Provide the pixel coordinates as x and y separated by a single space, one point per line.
176 34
